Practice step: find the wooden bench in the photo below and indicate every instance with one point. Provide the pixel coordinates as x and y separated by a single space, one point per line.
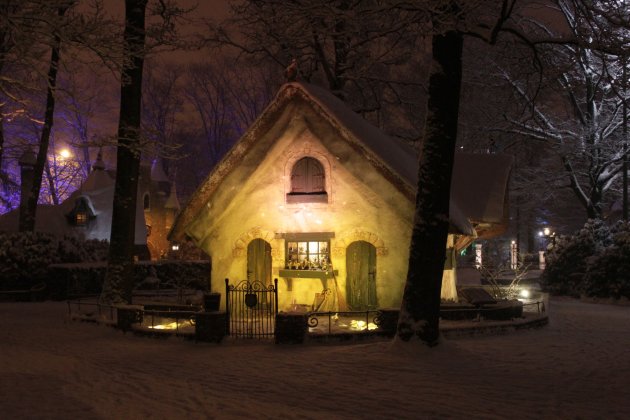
476 296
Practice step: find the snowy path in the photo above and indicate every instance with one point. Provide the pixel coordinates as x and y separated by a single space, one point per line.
577 366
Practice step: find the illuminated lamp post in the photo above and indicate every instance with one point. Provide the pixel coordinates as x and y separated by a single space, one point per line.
513 255
65 154
478 256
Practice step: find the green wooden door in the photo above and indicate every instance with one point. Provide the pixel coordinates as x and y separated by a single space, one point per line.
361 276
259 261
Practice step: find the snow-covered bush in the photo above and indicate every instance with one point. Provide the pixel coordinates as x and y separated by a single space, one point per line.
608 272
72 249
25 257
567 259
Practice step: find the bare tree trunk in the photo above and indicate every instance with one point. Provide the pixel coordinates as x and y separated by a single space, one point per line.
1 134
54 197
119 277
420 311
27 223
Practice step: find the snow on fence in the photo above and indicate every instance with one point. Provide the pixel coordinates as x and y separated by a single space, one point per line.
89 310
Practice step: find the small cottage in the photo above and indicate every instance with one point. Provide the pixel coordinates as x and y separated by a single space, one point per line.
87 212
317 197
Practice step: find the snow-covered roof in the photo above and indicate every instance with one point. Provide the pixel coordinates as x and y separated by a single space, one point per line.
97 180
172 202
397 156
480 185
98 193
157 171
395 160
49 219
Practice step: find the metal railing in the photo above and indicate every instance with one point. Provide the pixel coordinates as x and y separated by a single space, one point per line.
540 306
509 312
343 322
180 322
91 310
161 321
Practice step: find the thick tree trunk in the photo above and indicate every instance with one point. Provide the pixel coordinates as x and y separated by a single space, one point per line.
27 217
1 136
420 311
119 277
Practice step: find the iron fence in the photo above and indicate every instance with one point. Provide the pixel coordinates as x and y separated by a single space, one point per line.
492 311
168 322
343 322
91 311
251 308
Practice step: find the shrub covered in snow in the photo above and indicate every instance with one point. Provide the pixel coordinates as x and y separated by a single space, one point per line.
567 260
69 280
25 257
608 272
594 262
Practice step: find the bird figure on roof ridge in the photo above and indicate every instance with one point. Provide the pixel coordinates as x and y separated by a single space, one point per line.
291 72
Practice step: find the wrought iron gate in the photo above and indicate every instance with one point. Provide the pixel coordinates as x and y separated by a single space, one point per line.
251 308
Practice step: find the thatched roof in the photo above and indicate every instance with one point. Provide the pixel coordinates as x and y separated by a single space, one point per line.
395 161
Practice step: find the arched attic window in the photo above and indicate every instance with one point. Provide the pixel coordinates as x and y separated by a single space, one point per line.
308 182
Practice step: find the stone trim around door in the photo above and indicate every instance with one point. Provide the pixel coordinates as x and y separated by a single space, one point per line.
346 238
240 245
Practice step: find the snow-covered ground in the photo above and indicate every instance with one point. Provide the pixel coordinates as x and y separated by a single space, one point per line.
576 367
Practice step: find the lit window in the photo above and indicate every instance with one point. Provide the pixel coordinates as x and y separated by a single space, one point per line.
81 219
308 255
82 214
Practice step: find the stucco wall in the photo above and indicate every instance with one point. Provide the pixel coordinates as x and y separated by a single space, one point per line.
251 203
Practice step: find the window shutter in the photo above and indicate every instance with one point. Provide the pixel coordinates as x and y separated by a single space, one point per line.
308 176
299 176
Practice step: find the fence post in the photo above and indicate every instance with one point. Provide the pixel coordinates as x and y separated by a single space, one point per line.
291 328
227 306
275 286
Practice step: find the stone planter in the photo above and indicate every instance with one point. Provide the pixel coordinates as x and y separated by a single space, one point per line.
210 326
126 315
388 321
212 302
291 327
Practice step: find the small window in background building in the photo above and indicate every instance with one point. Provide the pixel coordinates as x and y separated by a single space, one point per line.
81 218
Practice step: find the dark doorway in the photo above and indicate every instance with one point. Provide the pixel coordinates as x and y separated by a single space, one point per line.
259 261
361 276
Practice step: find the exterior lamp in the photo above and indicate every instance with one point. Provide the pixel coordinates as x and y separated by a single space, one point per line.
65 153
175 247
546 231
